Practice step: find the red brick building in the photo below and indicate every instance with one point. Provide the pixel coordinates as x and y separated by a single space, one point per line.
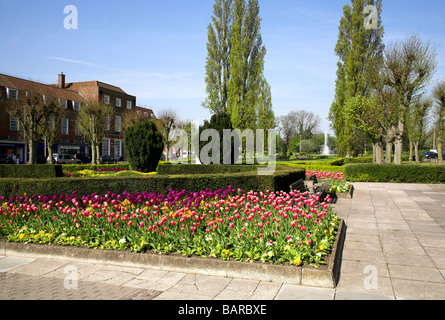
71 96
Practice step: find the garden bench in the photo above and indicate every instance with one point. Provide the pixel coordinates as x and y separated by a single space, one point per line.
298 186
323 190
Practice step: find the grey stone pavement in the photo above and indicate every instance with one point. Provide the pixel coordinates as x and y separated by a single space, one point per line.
394 250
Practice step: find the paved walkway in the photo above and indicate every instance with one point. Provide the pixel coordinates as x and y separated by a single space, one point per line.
394 249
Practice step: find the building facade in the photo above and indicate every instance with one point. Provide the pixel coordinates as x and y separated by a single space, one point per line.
71 97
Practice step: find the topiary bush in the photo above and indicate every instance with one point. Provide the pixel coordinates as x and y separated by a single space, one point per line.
144 146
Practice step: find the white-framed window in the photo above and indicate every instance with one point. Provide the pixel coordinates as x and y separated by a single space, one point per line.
117 148
63 103
129 105
118 102
12 94
107 99
13 123
76 106
65 126
107 123
118 124
106 147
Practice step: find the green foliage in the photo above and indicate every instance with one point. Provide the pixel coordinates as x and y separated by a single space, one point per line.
75 168
144 146
281 180
407 173
30 171
219 122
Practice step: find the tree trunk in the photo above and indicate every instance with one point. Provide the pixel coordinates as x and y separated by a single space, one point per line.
32 152
411 149
399 143
50 154
439 149
378 151
97 154
416 151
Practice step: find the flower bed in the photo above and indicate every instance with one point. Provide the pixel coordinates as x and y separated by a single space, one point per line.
276 227
335 179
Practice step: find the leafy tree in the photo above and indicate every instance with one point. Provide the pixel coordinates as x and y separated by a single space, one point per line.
167 122
408 67
235 82
93 120
247 64
53 114
439 115
30 109
359 49
218 53
417 123
144 146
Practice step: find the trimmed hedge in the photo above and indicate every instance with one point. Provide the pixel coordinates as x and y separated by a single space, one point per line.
281 180
174 169
406 173
31 171
77 167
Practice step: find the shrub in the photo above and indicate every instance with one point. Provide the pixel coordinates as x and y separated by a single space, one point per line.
281 180
30 171
170 169
144 146
407 173
75 168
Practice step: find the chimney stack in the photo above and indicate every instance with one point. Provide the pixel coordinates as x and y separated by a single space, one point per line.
61 81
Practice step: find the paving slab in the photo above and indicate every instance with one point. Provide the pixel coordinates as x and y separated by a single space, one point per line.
10 263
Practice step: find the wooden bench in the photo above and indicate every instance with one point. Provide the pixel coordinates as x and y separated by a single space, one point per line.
323 190
298 186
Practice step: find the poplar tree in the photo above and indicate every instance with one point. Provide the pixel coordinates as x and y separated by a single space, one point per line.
439 115
218 51
359 48
235 62
247 64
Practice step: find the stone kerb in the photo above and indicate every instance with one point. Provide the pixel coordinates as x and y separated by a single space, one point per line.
325 276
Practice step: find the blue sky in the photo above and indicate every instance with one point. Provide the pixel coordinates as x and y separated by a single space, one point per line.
156 50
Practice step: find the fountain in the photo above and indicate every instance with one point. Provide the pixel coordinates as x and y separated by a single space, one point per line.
326 149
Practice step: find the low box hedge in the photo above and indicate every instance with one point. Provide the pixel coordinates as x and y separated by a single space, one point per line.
174 169
77 167
41 171
281 180
406 173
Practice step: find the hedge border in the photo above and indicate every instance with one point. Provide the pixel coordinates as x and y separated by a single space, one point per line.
280 181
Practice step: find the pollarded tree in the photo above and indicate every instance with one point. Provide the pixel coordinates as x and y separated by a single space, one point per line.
30 109
408 68
418 121
143 146
439 115
53 114
93 119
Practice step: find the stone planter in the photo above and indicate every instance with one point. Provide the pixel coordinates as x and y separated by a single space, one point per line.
347 195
